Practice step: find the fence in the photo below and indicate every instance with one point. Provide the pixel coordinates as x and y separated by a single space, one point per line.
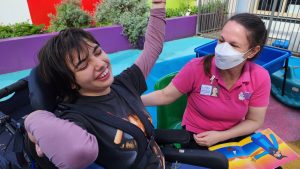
282 19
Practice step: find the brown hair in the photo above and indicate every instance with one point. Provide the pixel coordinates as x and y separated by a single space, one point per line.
55 55
257 35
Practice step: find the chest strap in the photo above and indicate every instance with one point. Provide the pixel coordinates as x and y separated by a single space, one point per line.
113 121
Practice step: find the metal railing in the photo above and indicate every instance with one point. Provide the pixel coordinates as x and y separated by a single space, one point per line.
282 19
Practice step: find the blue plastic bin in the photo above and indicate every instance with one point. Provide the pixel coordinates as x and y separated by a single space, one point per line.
281 43
270 58
291 93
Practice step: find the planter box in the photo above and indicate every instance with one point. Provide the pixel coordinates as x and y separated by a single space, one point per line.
21 53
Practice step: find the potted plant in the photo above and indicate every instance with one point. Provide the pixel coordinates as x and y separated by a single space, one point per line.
131 14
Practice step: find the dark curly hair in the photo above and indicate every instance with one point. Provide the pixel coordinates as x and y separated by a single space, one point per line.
57 54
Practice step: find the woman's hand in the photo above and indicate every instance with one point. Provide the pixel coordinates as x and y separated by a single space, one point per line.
208 138
158 4
158 1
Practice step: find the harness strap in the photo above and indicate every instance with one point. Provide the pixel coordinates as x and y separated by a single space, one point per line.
130 101
112 121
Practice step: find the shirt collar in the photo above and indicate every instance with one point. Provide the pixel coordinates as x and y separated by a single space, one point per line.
244 78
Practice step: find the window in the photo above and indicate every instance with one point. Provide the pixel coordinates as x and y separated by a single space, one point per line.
285 8
266 5
293 6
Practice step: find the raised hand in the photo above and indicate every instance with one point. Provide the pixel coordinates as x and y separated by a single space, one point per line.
158 1
158 4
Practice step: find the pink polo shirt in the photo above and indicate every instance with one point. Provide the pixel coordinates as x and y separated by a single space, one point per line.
205 112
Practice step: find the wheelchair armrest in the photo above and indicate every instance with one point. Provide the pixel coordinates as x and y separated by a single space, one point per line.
203 158
170 136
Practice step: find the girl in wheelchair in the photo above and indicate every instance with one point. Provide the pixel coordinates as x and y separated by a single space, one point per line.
75 135
86 116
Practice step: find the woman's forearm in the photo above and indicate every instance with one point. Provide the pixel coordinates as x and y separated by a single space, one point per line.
244 128
64 143
154 39
253 121
155 98
164 96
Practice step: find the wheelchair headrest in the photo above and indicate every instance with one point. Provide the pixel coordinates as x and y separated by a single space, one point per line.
42 96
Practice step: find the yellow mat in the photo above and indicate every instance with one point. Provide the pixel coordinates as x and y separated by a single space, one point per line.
296 163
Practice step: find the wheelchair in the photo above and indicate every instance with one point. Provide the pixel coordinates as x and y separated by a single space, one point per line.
23 101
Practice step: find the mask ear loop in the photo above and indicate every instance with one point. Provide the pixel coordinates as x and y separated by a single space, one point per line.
253 51
247 52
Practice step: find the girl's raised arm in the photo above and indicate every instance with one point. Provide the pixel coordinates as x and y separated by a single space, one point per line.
154 38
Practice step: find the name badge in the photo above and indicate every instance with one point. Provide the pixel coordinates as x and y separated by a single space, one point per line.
206 90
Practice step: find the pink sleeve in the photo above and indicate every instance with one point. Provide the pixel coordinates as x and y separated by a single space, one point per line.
184 80
67 145
154 39
261 93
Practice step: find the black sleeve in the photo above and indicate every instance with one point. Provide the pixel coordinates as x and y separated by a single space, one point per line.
133 77
77 118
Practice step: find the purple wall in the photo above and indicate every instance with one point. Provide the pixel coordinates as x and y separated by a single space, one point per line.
181 27
110 38
20 53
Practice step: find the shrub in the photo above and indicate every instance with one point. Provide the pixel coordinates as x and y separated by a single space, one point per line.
185 6
131 14
194 10
214 6
174 12
20 29
69 14
6 31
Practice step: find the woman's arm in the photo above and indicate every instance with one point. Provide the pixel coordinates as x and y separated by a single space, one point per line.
66 145
253 121
161 97
154 38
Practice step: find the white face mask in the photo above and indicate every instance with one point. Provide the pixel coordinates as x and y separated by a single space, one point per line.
227 57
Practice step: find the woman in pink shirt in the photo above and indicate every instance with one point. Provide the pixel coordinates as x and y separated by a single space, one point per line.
227 94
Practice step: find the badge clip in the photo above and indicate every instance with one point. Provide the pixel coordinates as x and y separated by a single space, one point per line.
212 79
